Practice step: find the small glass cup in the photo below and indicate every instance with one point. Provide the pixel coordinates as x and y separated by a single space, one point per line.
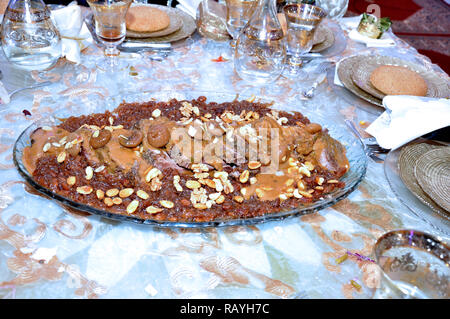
110 27
414 265
239 13
302 21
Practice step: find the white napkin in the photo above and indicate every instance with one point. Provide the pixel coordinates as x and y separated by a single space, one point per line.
189 6
4 96
336 76
407 118
351 25
75 35
385 40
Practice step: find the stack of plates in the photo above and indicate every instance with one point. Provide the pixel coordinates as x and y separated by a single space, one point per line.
354 73
180 27
323 39
425 170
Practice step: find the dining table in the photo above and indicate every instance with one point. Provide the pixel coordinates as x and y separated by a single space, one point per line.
49 250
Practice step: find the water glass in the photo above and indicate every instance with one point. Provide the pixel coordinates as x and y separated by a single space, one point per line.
238 14
302 21
110 27
414 265
336 9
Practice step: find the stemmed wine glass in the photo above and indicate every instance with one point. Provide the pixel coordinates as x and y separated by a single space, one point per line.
110 27
238 14
302 21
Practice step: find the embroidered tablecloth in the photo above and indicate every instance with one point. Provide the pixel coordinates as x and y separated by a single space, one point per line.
48 251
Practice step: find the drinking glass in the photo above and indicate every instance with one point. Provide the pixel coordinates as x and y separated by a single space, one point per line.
336 9
302 21
238 14
413 265
110 27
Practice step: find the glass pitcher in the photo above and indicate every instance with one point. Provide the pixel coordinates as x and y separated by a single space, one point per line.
30 40
260 51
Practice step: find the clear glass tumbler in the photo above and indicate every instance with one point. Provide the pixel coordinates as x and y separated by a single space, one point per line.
239 13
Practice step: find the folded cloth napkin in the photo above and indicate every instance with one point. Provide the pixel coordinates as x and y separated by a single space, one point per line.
189 6
75 35
351 25
407 118
385 40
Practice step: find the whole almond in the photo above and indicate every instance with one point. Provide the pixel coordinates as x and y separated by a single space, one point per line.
61 157
142 194
131 208
71 180
85 190
244 176
112 192
166 203
117 200
126 192
153 209
192 184
108 201
100 194
254 165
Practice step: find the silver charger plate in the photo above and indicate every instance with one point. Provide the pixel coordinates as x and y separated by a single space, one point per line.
407 198
363 68
407 162
345 72
187 29
432 171
176 22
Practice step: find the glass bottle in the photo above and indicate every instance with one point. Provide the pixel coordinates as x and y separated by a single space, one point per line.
29 38
260 50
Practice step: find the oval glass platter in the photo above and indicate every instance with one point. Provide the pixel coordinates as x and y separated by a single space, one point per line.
355 154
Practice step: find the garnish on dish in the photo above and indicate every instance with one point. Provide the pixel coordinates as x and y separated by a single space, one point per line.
188 160
372 27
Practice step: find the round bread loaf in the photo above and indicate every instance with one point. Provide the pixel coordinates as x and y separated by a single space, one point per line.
146 19
398 80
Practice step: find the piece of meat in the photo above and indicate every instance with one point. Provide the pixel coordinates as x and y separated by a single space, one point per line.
329 154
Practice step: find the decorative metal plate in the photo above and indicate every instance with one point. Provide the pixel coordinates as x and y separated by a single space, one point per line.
432 171
188 27
345 71
439 221
363 68
406 166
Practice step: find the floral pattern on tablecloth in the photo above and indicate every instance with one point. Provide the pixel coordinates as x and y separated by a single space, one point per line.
50 251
